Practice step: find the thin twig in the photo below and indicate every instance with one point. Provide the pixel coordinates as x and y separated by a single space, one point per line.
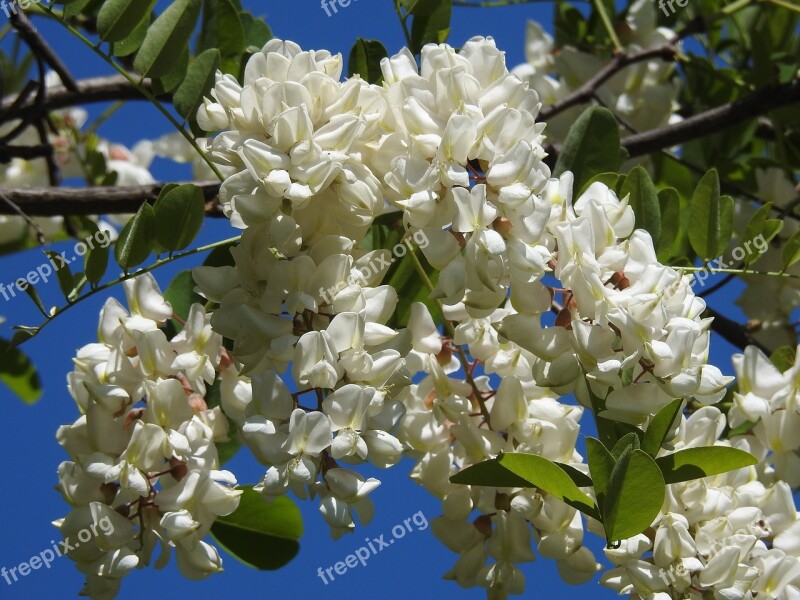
39 233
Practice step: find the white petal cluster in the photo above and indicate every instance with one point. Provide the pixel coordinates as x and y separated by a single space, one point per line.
545 293
144 465
733 535
642 95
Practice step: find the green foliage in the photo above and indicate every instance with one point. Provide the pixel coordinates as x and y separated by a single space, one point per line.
591 148
710 218
167 38
661 424
695 463
135 240
644 202
365 60
18 374
430 21
199 80
759 227
179 215
263 536
118 19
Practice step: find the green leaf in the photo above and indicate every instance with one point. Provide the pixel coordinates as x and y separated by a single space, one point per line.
179 216
167 83
135 241
365 60
66 282
695 463
181 295
18 373
167 38
225 450
759 232
674 240
73 8
591 147
634 496
580 478
256 32
644 202
601 464
263 536
431 23
95 262
609 179
223 29
197 84
784 358
710 218
118 19
133 42
629 440
660 426
791 251
527 470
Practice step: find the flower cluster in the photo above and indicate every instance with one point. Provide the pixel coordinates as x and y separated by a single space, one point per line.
642 95
544 293
143 453
732 535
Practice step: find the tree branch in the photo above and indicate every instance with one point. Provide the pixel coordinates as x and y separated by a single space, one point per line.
88 91
714 120
44 202
588 90
41 48
735 333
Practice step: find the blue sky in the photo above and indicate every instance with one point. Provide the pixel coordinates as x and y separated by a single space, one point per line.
413 566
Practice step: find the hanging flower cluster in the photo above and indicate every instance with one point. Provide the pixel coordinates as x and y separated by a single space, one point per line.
143 455
544 292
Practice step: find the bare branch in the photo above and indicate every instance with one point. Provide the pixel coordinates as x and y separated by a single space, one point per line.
715 119
41 202
88 91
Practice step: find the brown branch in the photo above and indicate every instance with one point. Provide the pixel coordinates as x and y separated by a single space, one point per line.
735 333
42 202
41 48
88 91
714 120
589 89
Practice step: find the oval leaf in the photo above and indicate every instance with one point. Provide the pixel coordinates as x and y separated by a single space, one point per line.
660 426
365 60
634 496
118 19
134 242
591 148
696 463
644 202
527 470
166 39
179 216
263 536
19 374
199 80
710 218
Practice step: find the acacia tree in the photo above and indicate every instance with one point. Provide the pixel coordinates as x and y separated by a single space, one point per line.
440 258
